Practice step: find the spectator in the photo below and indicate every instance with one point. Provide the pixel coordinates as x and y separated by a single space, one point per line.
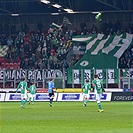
9 56
82 26
15 54
26 48
40 26
24 28
13 29
45 63
94 29
22 54
44 51
131 26
10 42
53 49
26 63
39 64
37 54
57 65
33 58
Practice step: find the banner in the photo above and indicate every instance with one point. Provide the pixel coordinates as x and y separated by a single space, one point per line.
76 77
102 52
70 97
87 74
79 76
3 50
101 75
37 75
122 96
79 97
39 97
126 72
113 76
2 96
44 97
13 97
105 97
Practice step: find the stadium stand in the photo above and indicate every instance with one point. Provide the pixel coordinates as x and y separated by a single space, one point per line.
52 49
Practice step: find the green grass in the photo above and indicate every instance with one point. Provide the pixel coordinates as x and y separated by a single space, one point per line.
66 117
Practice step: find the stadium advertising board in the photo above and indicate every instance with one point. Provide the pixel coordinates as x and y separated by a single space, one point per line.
44 97
70 97
105 97
2 96
58 97
79 97
13 97
122 96
39 97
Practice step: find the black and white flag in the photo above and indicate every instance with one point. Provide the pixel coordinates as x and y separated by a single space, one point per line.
66 21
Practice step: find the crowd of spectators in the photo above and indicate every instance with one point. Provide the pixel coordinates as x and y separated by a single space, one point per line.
50 49
38 49
107 28
126 60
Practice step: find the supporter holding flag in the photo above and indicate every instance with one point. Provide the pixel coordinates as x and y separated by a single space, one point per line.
66 21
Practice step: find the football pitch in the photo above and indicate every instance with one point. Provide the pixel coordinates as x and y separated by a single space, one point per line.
66 117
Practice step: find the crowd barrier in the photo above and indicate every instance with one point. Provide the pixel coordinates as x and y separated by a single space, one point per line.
110 96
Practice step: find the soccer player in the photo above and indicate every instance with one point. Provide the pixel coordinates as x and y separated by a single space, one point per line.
86 92
32 94
51 91
98 89
23 86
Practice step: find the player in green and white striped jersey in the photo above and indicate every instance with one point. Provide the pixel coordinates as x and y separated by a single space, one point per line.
98 89
32 94
23 86
86 91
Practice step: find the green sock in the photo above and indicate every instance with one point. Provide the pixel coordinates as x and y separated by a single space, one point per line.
24 101
99 106
33 100
29 99
86 101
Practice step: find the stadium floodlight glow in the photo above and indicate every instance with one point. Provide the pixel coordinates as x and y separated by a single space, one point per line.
45 1
95 12
56 6
68 10
14 15
54 13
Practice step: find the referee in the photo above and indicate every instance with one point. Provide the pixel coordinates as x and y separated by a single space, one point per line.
50 91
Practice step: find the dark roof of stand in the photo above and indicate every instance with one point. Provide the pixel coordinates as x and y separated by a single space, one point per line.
23 7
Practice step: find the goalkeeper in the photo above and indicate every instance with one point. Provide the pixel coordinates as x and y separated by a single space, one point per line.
86 92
